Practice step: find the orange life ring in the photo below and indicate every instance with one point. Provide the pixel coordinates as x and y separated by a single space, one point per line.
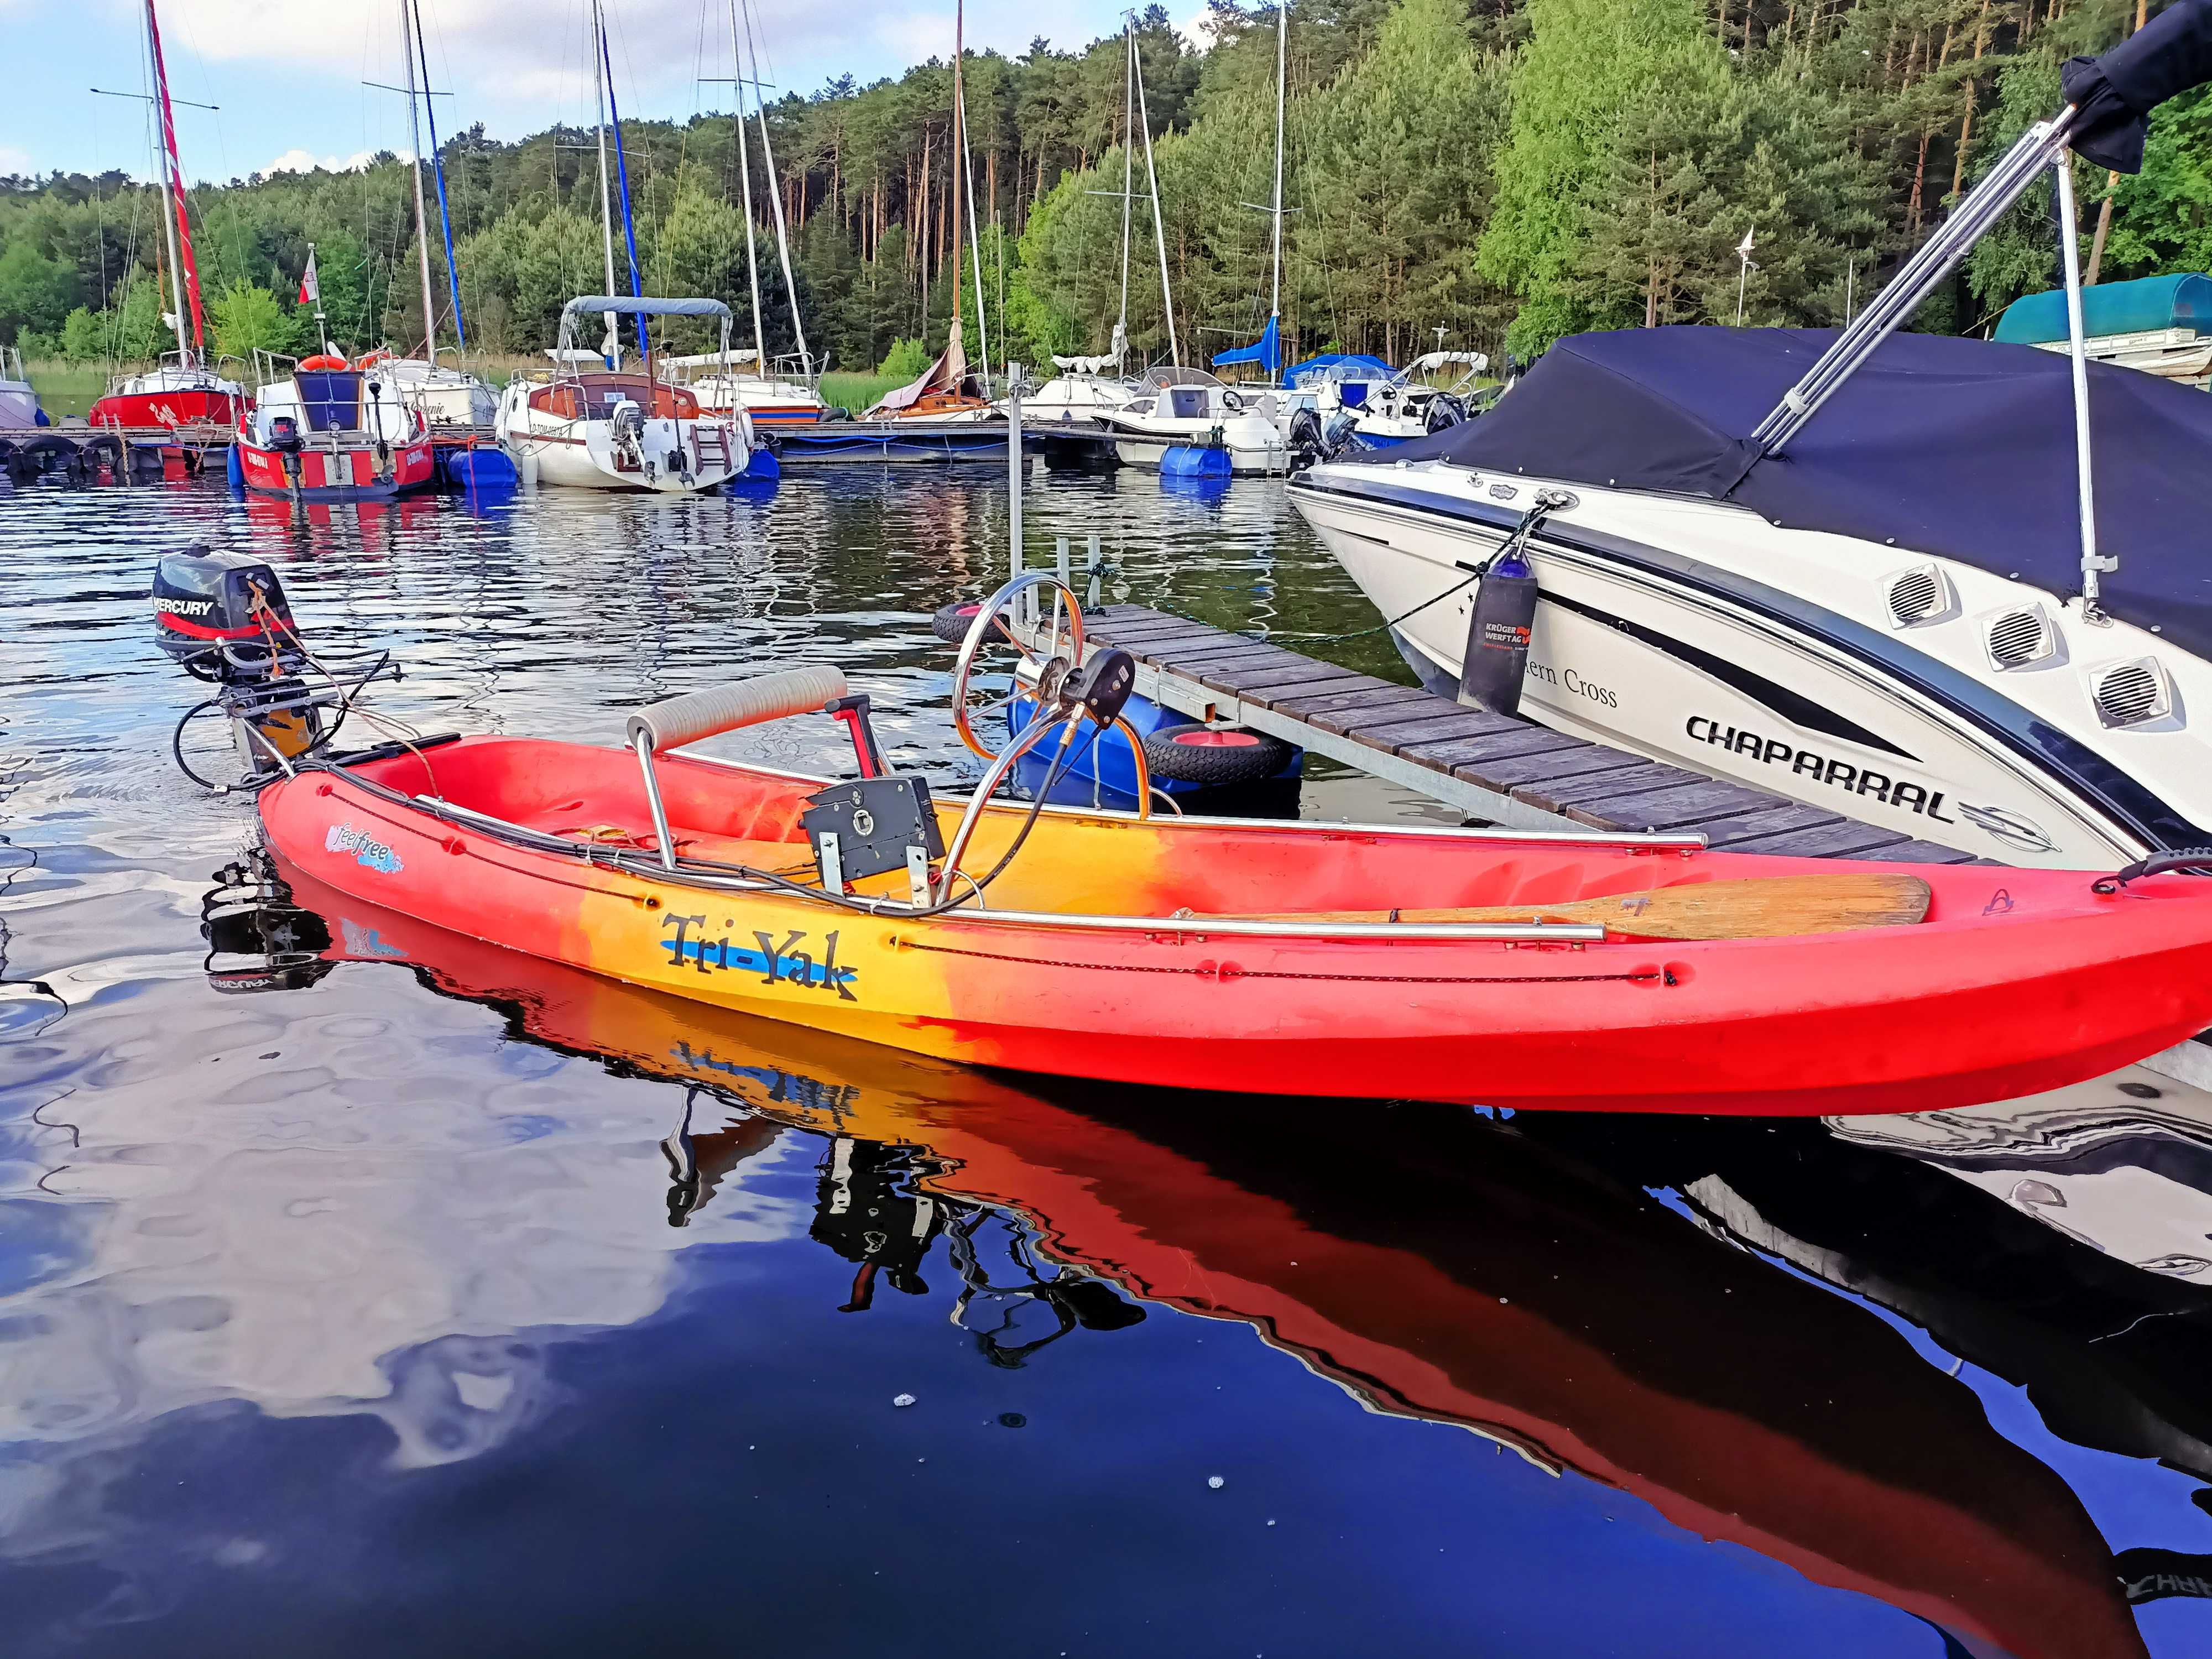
322 362
370 359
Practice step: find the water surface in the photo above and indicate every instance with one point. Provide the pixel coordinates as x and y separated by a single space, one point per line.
363 1288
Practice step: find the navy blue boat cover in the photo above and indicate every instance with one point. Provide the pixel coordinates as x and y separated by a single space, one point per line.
1936 445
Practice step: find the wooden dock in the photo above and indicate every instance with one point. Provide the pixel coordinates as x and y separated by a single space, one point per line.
1505 771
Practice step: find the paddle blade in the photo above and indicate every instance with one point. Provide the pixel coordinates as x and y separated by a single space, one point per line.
1757 907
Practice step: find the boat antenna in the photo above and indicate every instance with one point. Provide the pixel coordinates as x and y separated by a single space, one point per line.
612 346
746 186
775 204
2093 563
438 168
1152 177
415 165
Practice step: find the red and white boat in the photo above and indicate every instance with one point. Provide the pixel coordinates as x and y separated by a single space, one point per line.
335 431
182 390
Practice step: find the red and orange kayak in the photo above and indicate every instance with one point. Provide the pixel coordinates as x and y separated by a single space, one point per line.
1106 951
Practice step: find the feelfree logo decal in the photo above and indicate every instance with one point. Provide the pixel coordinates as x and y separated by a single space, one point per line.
368 851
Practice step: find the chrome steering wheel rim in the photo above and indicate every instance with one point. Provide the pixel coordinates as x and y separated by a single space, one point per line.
979 631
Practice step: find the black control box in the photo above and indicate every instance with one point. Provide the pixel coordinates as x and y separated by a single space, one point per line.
875 821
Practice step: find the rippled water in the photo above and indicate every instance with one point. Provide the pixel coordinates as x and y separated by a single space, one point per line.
438 1299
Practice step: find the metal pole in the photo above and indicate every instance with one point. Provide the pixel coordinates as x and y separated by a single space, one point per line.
2077 352
1128 162
1159 231
1014 471
975 236
775 206
612 345
955 155
745 184
422 218
1282 47
169 206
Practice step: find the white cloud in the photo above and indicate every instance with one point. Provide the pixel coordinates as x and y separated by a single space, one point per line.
301 160
16 161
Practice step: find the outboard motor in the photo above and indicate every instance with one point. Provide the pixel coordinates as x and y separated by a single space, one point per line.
1305 437
1338 433
223 617
284 437
626 427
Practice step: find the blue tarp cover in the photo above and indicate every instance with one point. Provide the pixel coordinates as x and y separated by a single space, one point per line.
2138 307
1266 351
1354 362
1963 448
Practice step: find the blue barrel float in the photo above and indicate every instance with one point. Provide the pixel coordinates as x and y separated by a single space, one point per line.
480 467
1195 461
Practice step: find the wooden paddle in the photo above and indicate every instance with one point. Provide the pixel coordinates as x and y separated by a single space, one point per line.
1759 907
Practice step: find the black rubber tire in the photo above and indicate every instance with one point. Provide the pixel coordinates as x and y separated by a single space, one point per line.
1214 755
952 622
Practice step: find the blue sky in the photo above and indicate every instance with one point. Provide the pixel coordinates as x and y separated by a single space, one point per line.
288 73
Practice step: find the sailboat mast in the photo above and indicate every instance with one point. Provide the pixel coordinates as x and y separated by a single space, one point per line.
745 184
975 234
1159 230
613 345
958 150
1128 162
775 204
422 218
164 149
1282 55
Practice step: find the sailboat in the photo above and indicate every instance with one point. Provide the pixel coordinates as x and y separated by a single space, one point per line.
441 394
608 428
180 390
946 391
769 399
1176 407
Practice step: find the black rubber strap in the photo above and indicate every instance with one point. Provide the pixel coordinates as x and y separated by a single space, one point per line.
2156 863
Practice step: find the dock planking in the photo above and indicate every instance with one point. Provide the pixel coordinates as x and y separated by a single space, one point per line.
1506 771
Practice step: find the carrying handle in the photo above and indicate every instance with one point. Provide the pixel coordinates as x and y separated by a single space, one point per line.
676 721
2154 864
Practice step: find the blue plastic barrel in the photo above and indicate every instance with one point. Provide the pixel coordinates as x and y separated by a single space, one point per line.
1195 461
234 469
483 468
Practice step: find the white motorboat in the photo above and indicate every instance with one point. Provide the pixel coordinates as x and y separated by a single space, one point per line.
18 400
1188 407
441 394
601 428
770 400
1885 598
1410 404
1083 389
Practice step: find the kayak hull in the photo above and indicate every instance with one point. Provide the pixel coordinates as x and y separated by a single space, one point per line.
2018 982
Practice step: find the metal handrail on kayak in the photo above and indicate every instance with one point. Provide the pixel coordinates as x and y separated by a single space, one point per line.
740 879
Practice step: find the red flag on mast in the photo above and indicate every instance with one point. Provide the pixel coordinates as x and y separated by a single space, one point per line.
191 270
311 291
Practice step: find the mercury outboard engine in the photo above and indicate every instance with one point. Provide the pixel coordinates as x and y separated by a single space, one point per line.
284 437
223 618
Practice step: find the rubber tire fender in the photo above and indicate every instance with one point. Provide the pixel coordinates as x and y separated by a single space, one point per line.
1214 755
952 622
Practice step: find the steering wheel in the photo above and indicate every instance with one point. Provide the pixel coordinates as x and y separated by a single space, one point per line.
1051 659
1232 402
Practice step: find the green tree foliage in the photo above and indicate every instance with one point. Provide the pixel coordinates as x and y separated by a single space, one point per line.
246 317
1507 170
1587 62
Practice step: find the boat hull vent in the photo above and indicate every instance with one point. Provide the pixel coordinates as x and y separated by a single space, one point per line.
2134 693
1922 594
2020 638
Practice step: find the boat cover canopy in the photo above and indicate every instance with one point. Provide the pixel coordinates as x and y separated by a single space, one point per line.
1352 364
2145 306
591 305
1962 448
2113 95
1266 351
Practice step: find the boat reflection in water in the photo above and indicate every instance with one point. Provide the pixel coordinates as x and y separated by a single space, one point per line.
1510 1279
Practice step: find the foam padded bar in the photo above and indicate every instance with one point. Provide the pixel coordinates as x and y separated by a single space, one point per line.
679 720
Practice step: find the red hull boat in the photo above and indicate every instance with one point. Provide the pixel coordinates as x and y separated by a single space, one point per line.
172 398
1160 951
